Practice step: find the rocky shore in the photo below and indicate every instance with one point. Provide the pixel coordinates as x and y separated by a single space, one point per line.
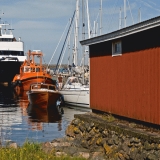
98 137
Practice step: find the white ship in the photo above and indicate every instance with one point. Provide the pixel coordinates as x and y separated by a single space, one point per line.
11 54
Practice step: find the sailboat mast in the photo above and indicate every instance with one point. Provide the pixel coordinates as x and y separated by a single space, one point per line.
139 15
88 19
120 19
76 33
101 18
125 17
83 31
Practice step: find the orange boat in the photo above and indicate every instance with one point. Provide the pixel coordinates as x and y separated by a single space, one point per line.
43 95
31 72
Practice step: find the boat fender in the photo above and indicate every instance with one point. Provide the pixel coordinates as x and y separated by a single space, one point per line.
19 83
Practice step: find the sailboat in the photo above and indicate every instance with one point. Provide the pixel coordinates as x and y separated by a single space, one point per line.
74 91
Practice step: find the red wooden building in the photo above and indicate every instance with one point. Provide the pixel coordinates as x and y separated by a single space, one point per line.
125 71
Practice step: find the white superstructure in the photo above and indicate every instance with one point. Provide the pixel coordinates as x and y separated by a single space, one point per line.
11 54
9 46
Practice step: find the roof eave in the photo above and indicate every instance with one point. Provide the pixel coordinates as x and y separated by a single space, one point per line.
154 22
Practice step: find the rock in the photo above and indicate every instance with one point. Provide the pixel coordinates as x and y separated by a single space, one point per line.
148 146
84 144
138 144
133 153
88 127
121 157
47 144
158 146
116 140
92 141
82 154
75 122
108 149
144 154
88 137
71 150
134 140
125 148
76 130
91 124
139 157
105 133
82 128
59 154
101 129
60 144
126 156
97 156
132 125
152 157
92 133
70 131
100 141
13 145
110 142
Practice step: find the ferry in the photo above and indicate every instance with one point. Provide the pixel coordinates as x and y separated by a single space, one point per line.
11 54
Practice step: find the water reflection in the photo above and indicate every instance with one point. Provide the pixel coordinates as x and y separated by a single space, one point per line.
39 115
20 121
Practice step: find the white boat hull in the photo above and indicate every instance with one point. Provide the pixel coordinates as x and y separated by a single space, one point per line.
76 97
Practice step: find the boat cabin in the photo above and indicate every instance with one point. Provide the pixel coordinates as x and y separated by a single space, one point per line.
72 82
42 86
30 65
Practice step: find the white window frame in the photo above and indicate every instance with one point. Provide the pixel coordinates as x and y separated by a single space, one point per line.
114 52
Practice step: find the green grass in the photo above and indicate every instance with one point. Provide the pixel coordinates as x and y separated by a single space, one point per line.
30 151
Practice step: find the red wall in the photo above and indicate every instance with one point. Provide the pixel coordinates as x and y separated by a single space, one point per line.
127 85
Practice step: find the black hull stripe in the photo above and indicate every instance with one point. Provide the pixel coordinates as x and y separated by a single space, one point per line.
77 103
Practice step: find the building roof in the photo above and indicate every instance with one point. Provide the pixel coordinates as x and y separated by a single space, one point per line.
139 27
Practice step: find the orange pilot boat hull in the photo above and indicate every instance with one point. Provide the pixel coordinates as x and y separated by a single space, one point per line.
43 99
43 95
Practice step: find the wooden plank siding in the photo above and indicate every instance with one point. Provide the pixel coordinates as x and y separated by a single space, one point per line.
127 85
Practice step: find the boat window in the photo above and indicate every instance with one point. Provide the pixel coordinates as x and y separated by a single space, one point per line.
75 80
14 53
44 86
37 69
52 87
6 39
27 69
33 69
35 87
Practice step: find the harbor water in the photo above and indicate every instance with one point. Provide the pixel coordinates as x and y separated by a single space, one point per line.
20 122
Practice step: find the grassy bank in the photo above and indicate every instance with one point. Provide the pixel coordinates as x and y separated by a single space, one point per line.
30 151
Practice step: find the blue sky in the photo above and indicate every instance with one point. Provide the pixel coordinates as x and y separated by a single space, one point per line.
40 23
